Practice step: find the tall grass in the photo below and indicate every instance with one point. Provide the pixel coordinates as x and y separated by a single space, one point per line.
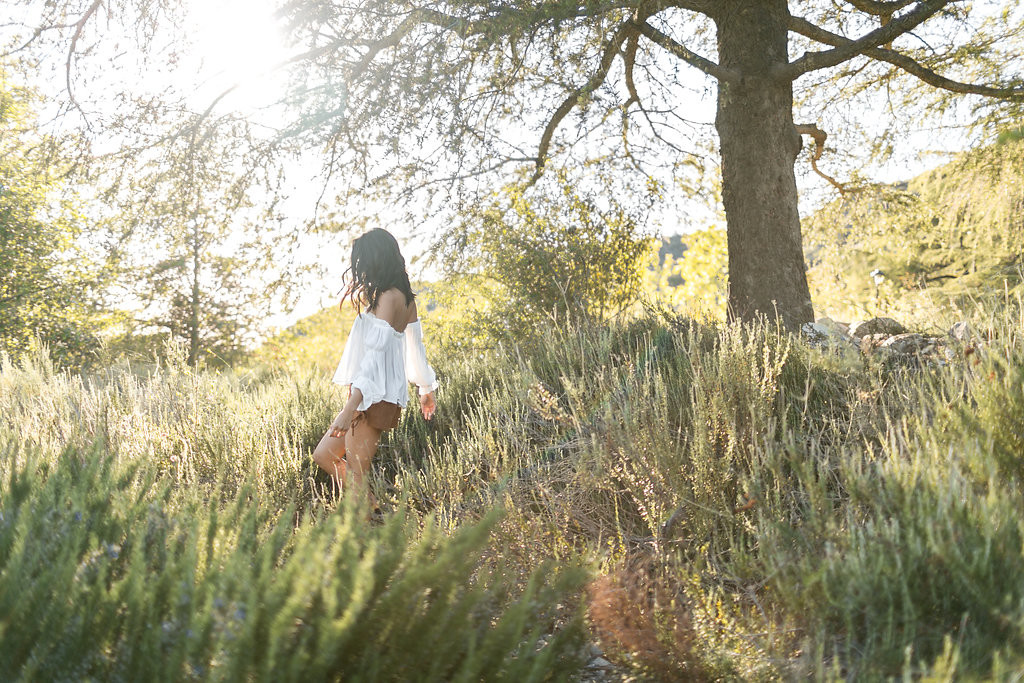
799 512
172 526
748 507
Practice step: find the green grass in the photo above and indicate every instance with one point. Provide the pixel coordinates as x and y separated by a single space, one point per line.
173 527
724 502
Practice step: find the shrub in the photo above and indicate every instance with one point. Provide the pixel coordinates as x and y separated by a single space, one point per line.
530 256
108 573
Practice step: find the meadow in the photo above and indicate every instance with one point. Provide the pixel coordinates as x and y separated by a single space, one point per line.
688 499
699 501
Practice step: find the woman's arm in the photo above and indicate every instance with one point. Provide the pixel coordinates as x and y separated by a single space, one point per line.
417 370
344 419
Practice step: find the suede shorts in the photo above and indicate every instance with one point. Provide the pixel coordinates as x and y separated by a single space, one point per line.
382 415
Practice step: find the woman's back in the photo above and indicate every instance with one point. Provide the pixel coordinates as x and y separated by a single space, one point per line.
393 309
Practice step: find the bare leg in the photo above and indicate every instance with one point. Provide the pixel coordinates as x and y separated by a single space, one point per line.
361 443
329 454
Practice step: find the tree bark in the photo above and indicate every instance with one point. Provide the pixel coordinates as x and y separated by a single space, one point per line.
759 145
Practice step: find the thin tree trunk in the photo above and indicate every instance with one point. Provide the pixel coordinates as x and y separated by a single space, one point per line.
193 347
759 145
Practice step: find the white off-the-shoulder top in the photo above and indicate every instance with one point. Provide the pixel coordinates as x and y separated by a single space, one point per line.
380 361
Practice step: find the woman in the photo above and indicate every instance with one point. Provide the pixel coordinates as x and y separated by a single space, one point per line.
384 351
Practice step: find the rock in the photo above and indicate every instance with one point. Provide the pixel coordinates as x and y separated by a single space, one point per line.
828 333
910 343
962 332
599 663
870 343
887 326
815 334
834 326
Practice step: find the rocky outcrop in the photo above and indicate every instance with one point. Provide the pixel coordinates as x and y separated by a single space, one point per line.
890 341
862 328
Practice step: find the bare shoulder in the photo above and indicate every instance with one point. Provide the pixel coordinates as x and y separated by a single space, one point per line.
413 314
392 308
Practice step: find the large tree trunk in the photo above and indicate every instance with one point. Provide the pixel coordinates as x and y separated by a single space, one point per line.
759 143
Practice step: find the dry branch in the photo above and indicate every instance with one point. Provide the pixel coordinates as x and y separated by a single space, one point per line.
819 146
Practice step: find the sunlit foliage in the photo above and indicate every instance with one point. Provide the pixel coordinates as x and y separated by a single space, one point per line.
696 281
531 256
950 237
50 275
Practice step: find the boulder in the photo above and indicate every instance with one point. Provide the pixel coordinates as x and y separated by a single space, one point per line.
870 343
888 326
910 343
836 327
815 334
820 334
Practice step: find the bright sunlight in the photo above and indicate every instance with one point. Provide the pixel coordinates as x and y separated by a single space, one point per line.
236 44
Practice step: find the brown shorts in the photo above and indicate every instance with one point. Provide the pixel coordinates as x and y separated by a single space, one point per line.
382 415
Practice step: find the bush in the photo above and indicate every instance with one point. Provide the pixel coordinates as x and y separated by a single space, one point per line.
545 253
109 573
752 508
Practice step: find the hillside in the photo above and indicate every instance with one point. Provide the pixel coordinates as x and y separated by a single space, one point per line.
315 342
646 498
945 242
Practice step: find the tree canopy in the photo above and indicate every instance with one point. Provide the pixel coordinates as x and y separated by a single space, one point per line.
50 280
410 98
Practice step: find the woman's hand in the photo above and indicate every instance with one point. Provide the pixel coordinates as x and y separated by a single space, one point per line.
340 424
427 405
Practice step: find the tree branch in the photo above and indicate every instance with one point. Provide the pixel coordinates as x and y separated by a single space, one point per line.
691 58
466 27
819 146
880 9
629 63
812 61
708 8
611 49
79 27
806 28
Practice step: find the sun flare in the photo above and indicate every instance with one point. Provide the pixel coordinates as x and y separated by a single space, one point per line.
236 44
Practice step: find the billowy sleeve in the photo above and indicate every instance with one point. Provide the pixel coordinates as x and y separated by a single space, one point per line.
350 356
364 362
417 370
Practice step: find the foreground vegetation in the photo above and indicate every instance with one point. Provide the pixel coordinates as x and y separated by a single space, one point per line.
717 501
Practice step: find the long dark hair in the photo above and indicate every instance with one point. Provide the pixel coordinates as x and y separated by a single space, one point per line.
377 266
